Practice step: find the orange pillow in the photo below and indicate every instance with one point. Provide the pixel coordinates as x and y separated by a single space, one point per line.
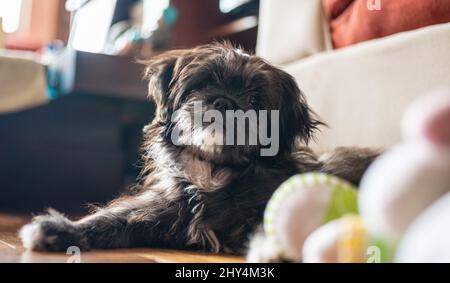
353 21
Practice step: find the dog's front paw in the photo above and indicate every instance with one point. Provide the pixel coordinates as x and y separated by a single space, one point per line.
52 232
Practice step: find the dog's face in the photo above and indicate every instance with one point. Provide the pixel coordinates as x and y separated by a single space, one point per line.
216 79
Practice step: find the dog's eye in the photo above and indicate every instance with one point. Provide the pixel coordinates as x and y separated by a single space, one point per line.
252 100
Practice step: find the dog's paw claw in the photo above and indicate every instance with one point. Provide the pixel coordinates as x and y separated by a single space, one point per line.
51 232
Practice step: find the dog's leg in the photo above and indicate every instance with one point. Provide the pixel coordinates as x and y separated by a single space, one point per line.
348 163
125 223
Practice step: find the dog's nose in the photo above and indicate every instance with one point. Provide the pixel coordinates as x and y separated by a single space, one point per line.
223 104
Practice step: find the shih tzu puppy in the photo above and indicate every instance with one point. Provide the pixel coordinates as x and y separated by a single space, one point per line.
200 188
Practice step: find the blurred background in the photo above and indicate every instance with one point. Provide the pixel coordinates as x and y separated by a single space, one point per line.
73 104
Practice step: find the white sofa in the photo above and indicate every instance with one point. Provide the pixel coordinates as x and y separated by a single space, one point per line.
359 91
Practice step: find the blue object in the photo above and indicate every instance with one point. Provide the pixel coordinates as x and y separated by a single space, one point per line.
54 75
170 16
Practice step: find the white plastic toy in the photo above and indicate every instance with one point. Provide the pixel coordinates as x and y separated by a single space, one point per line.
428 238
412 175
302 204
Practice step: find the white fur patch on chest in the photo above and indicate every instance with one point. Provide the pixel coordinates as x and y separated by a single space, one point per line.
202 174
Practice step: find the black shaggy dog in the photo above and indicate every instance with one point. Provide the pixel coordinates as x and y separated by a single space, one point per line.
196 196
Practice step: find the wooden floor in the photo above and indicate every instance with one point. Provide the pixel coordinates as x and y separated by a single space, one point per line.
11 250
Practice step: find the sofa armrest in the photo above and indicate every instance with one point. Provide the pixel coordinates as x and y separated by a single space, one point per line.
362 91
291 29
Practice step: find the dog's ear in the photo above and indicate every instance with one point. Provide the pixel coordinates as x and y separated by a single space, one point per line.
159 74
297 120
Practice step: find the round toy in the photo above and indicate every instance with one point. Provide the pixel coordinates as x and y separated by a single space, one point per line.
428 238
343 240
412 175
301 205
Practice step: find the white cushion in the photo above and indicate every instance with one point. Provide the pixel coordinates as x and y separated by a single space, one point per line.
291 29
